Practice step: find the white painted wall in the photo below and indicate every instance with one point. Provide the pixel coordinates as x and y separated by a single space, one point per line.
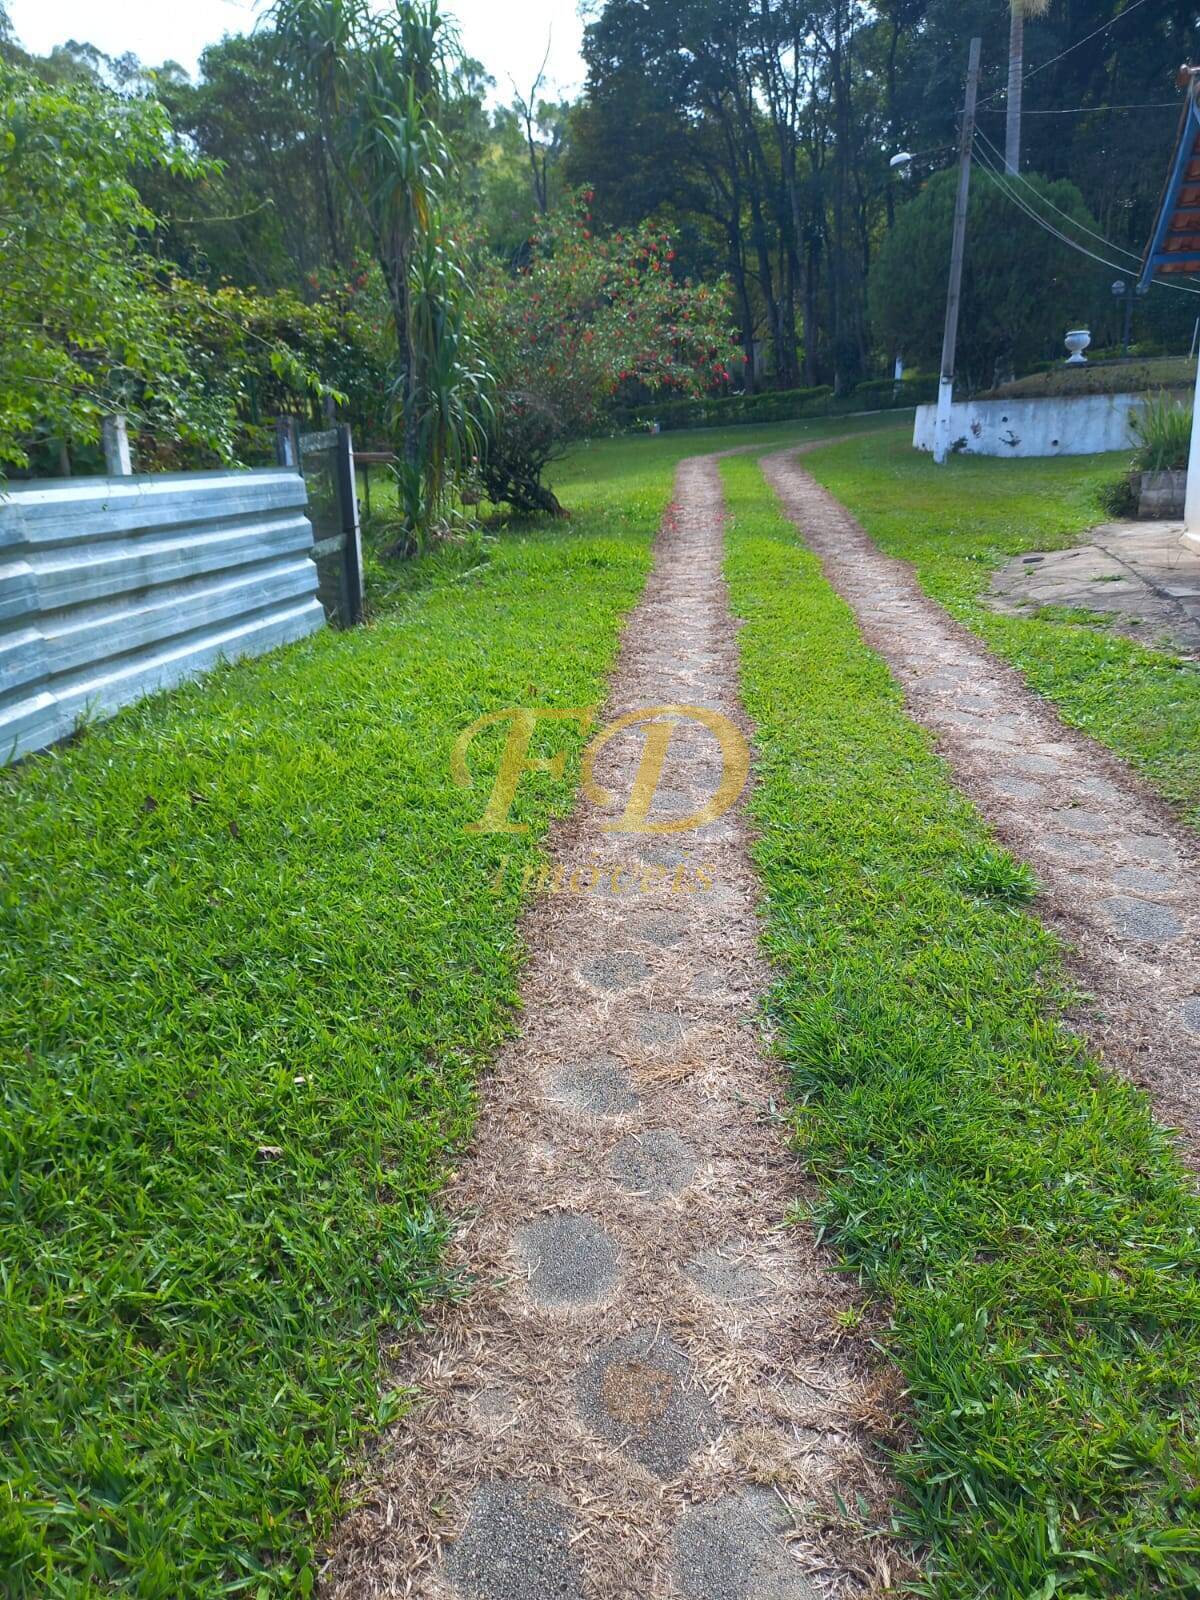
1074 425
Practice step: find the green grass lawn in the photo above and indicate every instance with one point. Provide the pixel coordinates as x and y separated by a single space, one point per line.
1033 1235
956 523
250 968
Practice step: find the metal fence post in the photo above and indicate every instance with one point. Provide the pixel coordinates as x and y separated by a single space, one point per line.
348 495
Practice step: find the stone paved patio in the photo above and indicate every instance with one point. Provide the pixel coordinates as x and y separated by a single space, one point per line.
1140 574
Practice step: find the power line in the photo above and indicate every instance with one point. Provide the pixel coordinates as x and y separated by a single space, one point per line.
1046 201
1087 111
1011 194
1079 43
1001 182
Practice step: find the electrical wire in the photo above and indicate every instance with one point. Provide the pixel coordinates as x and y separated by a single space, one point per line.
1046 201
1086 111
1079 43
1000 180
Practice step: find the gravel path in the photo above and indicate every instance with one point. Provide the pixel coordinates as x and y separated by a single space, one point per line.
646 1391
1120 877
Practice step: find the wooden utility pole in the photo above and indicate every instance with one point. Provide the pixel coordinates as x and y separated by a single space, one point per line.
941 438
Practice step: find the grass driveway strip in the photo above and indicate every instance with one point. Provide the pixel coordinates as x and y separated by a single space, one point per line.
1031 1228
250 967
958 522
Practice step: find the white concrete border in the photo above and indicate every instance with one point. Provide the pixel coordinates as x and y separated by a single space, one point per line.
1068 425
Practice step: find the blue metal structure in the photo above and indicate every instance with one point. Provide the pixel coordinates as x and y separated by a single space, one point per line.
1174 247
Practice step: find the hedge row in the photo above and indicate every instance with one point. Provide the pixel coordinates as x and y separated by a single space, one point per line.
781 405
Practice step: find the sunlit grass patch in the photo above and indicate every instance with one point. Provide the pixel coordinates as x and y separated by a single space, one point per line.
1027 1223
251 967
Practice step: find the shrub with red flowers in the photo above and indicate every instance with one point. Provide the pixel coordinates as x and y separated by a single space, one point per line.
582 318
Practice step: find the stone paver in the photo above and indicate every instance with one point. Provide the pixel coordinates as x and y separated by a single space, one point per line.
600 1085
1044 766
570 1259
1145 880
1141 919
1019 788
731 1550
1154 847
620 969
1140 574
725 1278
515 1546
655 1163
661 928
1075 819
1071 851
660 1029
640 1394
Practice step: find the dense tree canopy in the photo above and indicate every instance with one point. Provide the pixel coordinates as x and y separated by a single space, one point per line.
273 197
1006 316
761 133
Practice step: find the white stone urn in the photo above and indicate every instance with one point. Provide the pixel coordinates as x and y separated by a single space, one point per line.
1077 341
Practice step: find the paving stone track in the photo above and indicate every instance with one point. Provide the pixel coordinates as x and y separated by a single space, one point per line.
646 1391
1120 875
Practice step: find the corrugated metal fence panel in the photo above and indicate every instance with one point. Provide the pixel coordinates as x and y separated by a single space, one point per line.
113 587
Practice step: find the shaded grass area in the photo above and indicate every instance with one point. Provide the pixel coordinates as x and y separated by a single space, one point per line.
250 967
621 462
1030 1225
958 522
613 472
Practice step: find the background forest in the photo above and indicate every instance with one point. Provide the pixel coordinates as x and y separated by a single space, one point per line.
715 214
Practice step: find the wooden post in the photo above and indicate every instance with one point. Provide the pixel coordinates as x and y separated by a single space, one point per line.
287 449
352 554
118 462
941 436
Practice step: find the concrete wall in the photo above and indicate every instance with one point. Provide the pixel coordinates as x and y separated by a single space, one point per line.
1161 494
1074 425
113 587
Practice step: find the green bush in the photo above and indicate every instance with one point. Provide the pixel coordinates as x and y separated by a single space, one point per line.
780 405
1164 432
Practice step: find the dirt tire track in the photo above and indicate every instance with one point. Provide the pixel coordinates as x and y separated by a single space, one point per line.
695 1422
1120 875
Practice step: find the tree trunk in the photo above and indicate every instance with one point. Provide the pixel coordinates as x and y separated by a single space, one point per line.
737 271
1016 71
889 192
811 313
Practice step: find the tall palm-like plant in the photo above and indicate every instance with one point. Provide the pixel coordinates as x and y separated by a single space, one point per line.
1018 11
379 80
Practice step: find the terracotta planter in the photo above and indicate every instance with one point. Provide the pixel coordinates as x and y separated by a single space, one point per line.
1161 494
